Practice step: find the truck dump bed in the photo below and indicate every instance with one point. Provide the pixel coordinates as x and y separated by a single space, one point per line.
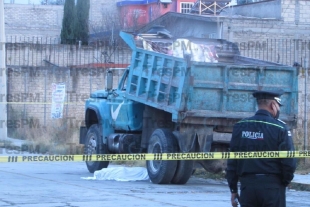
216 90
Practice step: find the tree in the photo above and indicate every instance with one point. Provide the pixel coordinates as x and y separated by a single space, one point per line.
67 32
52 2
81 21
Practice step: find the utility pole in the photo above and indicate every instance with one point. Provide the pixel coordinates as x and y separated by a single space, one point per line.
3 81
306 106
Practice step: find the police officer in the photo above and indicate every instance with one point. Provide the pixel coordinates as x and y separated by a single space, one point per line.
263 181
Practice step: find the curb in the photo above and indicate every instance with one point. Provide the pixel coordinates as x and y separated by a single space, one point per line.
299 186
300 182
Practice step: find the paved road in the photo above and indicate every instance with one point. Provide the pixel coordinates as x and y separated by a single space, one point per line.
58 184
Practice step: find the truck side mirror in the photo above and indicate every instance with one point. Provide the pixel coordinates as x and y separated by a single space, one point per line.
109 80
298 67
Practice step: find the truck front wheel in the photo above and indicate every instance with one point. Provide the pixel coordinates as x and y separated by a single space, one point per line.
161 171
94 145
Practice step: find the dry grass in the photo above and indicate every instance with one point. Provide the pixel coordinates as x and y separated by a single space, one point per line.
299 187
6 144
57 137
202 173
303 165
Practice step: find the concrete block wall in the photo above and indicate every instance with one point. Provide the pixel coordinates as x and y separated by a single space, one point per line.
296 11
33 20
304 15
254 37
296 47
100 9
25 20
30 90
288 10
286 42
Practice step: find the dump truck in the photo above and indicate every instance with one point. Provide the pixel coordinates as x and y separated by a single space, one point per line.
180 95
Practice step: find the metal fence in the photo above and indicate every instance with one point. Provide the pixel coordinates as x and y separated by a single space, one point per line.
26 51
282 51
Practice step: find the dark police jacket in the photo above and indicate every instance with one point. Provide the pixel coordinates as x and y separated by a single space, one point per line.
261 132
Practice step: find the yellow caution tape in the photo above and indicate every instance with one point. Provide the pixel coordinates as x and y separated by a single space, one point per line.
157 156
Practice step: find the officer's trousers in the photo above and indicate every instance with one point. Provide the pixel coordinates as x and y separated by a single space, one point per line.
262 191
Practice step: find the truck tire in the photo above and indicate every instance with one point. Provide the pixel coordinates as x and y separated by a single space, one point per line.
183 172
93 145
161 171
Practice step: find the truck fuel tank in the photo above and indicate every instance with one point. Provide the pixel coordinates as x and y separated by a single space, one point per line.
124 143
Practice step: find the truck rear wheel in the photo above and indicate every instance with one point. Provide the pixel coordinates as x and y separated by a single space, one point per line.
94 145
183 172
161 171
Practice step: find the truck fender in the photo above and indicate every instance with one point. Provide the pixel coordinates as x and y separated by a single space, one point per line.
92 116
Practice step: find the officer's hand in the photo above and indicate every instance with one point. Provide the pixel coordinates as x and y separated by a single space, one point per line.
234 199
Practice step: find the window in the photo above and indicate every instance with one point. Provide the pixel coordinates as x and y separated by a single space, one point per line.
212 35
209 35
186 7
240 2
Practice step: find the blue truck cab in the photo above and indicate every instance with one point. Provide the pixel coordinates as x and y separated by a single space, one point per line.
180 95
